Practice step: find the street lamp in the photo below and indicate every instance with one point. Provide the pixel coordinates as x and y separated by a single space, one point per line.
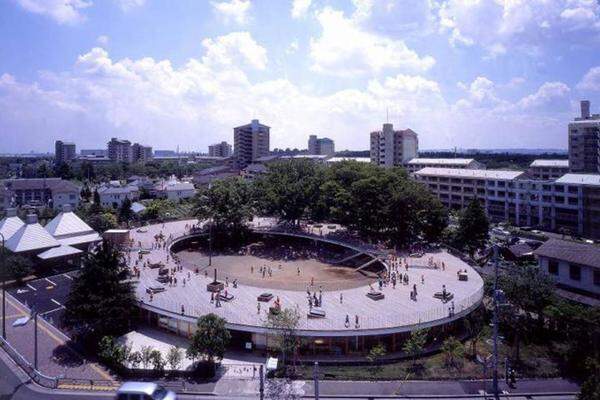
3 272
495 323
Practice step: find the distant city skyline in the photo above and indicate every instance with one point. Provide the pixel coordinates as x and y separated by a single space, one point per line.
481 74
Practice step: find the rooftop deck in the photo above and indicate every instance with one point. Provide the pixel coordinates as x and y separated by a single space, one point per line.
395 313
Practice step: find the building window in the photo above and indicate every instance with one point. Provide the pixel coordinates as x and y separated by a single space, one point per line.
575 272
597 278
553 267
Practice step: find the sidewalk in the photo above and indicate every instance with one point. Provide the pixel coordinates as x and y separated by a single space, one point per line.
55 357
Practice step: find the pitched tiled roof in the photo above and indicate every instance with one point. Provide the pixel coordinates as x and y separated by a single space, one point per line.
573 252
67 223
10 225
550 163
440 161
53 184
31 237
60 251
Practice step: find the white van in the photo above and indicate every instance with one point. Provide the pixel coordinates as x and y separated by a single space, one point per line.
144 391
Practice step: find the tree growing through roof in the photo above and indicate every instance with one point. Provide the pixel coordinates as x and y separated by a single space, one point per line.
102 300
415 343
283 326
125 211
473 228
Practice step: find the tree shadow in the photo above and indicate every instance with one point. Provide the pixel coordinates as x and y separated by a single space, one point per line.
64 356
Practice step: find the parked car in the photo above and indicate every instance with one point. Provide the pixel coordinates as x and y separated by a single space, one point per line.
144 391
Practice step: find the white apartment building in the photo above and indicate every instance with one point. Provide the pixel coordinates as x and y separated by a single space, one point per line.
570 203
573 266
320 146
461 163
174 190
548 169
112 196
250 142
390 148
222 149
584 141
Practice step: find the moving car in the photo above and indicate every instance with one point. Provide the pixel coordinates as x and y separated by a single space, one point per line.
144 391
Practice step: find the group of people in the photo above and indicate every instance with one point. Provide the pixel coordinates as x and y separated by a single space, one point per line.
313 300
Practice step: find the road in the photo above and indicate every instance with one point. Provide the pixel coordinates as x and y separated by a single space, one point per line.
11 387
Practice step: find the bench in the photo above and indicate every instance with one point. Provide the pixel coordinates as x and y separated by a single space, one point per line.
265 297
227 297
316 313
440 295
374 295
463 276
155 289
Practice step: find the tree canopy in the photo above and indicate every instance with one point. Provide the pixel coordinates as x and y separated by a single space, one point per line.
210 339
473 228
102 300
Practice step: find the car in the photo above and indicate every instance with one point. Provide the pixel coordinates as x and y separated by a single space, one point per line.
144 391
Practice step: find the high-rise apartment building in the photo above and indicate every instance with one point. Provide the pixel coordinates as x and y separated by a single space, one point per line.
584 141
250 142
320 146
119 150
64 152
222 149
390 147
141 153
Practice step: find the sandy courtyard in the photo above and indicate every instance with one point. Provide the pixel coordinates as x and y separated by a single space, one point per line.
284 273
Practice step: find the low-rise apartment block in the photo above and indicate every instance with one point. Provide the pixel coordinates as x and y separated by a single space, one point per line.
461 163
569 204
548 169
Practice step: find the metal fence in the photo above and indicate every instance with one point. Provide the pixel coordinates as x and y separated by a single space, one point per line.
35 375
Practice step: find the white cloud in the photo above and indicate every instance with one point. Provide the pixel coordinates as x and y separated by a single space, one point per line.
127 5
233 48
550 95
591 80
344 48
102 40
233 10
496 25
293 47
300 7
62 11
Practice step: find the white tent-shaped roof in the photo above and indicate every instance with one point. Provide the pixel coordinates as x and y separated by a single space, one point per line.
30 237
10 224
58 252
69 229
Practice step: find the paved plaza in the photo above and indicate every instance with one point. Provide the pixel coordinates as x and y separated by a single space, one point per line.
397 312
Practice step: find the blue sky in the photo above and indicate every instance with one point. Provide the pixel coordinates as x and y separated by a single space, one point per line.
465 73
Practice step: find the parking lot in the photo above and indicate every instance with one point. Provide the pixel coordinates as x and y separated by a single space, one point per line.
47 296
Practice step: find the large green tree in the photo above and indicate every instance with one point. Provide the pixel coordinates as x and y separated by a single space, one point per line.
227 203
473 228
102 299
290 189
210 339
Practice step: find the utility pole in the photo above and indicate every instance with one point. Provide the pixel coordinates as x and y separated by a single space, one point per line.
495 322
261 388
316 379
35 338
210 239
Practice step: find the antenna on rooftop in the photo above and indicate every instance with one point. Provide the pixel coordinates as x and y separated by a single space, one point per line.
387 115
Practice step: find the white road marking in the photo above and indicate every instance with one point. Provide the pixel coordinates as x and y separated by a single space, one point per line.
53 310
68 276
49 281
56 302
31 287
